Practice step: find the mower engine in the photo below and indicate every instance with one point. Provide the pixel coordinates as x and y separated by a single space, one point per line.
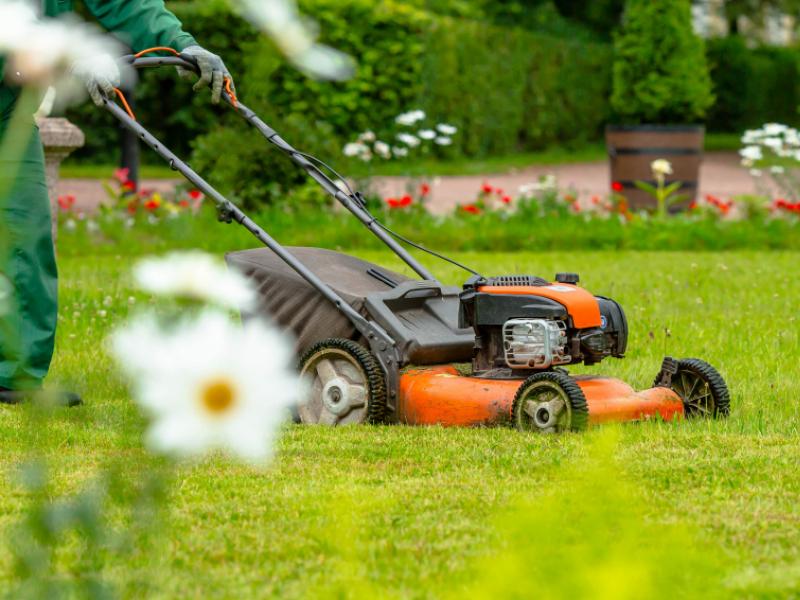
525 324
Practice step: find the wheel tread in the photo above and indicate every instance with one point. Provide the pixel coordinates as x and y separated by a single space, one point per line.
577 400
376 381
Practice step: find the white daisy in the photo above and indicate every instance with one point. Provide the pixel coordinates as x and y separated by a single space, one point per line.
382 149
661 167
409 140
751 153
296 36
207 384
426 134
409 119
399 151
443 141
354 149
367 137
446 129
197 276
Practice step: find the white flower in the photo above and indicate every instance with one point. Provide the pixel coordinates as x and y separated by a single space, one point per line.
773 142
446 129
409 140
70 224
207 384
661 167
409 119
752 153
296 36
355 149
382 149
773 129
777 170
426 134
367 137
443 141
399 151
752 136
41 51
197 276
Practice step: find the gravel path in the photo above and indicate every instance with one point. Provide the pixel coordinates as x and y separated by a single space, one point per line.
721 175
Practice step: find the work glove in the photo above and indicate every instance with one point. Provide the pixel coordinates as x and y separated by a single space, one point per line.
100 74
212 71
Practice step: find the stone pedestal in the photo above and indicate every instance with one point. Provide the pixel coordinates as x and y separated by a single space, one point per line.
60 138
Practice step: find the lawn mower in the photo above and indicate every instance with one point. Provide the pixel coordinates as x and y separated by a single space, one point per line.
377 346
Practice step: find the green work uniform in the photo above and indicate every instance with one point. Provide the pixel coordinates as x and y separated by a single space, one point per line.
27 334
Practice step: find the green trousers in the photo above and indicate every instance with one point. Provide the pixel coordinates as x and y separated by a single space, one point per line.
27 330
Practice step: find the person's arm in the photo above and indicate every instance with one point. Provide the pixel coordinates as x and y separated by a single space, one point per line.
141 24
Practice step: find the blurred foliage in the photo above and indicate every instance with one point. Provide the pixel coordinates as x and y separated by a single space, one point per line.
753 86
660 71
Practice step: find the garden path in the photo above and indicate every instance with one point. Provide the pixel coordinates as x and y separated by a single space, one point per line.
720 175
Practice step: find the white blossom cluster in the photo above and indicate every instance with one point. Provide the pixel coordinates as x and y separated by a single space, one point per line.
771 147
367 146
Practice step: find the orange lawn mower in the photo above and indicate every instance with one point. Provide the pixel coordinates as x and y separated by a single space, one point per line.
377 346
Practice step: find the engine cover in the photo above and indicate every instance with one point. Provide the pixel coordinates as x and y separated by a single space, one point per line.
524 324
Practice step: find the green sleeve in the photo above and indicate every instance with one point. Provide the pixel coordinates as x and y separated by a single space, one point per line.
141 24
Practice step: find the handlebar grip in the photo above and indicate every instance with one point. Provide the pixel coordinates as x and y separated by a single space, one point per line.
144 62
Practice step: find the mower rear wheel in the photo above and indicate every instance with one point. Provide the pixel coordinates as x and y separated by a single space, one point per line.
550 402
347 385
702 389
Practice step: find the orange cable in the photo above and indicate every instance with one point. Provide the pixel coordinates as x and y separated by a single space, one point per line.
125 104
231 93
157 49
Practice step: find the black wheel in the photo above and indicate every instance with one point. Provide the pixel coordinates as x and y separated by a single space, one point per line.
702 389
550 402
347 385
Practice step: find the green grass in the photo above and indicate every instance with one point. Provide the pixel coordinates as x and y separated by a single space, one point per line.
694 509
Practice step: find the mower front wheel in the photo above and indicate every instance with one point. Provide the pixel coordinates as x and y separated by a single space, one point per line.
550 402
703 390
347 385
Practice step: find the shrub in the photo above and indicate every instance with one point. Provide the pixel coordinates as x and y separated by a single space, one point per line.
752 86
660 73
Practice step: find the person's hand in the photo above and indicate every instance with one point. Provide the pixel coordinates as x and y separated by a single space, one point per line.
212 71
100 74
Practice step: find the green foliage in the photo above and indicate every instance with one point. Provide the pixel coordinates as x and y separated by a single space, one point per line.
752 86
660 72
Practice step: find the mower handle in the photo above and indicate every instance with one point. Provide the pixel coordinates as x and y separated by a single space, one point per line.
183 60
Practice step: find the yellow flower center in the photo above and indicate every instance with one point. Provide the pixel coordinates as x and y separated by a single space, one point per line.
218 396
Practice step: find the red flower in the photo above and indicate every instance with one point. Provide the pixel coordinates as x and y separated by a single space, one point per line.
595 200
129 186
506 199
472 209
152 204
66 202
122 175
617 186
393 203
499 192
424 190
486 188
576 207
693 205
196 195
183 204
406 200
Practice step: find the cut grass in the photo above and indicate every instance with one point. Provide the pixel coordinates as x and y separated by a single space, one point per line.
694 509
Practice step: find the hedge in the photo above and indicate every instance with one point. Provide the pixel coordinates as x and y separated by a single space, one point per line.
506 88
752 86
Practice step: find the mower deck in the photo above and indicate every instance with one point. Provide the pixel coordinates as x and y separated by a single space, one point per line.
442 396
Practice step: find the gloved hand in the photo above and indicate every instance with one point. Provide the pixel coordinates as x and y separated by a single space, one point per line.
212 71
99 73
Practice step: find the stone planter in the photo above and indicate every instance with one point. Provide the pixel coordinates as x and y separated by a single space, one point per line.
631 149
60 138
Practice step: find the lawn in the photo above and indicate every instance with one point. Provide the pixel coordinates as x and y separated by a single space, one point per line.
695 509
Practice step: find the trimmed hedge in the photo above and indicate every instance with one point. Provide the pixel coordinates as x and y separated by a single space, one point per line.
752 86
506 88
